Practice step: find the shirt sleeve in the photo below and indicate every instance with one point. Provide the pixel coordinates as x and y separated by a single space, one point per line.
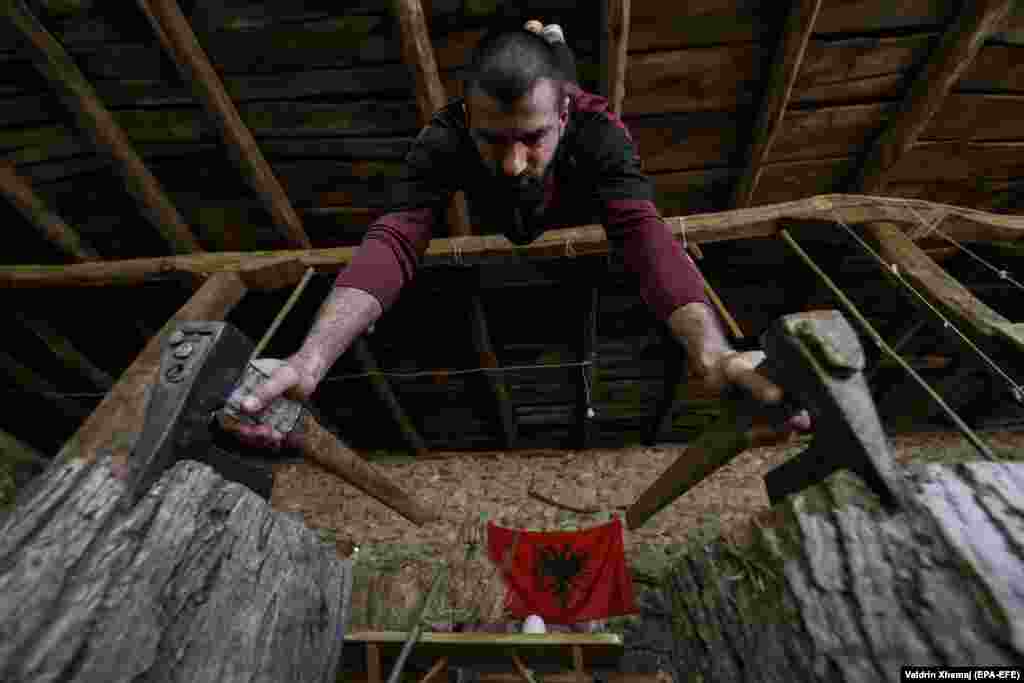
389 255
667 276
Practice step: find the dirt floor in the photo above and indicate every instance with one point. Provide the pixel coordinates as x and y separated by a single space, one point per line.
469 488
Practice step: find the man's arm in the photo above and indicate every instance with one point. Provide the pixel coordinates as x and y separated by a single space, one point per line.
345 314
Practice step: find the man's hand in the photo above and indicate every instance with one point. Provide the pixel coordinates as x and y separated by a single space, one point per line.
738 369
289 379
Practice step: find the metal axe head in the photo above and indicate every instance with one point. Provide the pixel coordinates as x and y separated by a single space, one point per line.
818 360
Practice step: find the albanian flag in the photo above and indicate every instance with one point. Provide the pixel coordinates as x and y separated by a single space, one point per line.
563 576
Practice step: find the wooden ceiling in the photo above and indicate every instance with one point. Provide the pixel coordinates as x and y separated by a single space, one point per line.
116 146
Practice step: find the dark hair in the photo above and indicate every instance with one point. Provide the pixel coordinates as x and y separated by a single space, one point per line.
507 64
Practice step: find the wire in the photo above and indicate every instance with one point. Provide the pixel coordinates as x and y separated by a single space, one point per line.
1016 389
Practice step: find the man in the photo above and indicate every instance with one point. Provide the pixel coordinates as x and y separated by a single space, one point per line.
533 152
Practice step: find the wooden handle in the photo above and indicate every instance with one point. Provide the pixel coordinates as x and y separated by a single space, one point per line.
320 445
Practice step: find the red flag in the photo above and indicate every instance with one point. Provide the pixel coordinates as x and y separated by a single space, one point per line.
563 576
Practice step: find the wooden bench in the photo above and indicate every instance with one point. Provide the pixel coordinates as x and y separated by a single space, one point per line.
492 654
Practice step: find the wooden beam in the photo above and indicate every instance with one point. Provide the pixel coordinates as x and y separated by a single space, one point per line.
14 450
71 86
785 68
964 225
987 328
188 55
616 37
952 57
364 356
586 427
52 227
30 381
65 350
675 373
116 422
418 53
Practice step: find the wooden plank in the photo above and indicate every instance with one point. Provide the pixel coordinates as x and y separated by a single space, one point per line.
996 68
779 86
195 68
116 422
96 122
19 192
961 224
970 116
65 350
957 49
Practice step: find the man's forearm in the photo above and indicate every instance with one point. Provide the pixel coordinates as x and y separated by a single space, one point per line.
696 326
345 315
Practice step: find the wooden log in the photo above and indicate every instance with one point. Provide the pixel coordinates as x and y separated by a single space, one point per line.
965 225
199 581
430 96
65 350
954 54
184 49
19 192
828 586
50 59
779 87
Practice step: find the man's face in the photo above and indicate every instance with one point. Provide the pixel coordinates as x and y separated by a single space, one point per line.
518 142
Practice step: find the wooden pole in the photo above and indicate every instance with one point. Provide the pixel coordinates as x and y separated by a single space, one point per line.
52 227
32 382
65 350
96 122
964 225
953 56
14 450
618 48
188 55
418 53
586 427
116 422
785 68
382 387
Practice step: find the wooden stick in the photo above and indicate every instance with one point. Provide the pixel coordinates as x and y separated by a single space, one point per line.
368 363
587 352
790 55
435 669
618 47
13 449
430 96
279 318
95 120
52 227
964 225
188 56
61 347
32 382
953 56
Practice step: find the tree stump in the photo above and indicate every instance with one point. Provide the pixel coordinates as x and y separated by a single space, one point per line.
200 581
830 587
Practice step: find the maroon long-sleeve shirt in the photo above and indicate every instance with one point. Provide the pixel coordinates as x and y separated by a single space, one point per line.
596 178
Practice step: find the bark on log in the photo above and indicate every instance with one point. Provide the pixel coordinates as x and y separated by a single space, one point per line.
831 588
200 581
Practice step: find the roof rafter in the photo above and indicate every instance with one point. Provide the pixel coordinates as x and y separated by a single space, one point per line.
78 95
430 96
952 57
61 347
183 48
785 68
21 195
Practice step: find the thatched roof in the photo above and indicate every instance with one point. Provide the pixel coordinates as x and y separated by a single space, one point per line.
120 144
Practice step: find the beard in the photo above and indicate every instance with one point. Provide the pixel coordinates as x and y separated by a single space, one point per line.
521 202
